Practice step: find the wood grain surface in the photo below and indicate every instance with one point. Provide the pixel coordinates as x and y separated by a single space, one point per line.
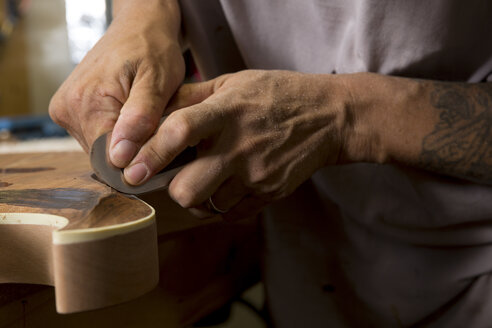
62 184
170 271
59 226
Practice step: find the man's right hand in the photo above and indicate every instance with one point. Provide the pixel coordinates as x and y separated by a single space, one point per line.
124 83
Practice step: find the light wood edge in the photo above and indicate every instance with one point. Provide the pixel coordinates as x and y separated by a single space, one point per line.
63 237
62 261
51 220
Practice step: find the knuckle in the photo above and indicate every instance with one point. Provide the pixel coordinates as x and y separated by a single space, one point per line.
153 70
104 90
154 74
257 176
268 186
156 158
178 127
57 111
277 192
248 147
128 70
183 195
63 118
75 98
139 125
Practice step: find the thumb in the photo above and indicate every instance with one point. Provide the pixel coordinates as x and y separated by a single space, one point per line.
138 120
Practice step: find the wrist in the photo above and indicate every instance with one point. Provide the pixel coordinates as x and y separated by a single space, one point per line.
381 124
361 140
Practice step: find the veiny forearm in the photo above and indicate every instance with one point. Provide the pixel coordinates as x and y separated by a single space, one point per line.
444 127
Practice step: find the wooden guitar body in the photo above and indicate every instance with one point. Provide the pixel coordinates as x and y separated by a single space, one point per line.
61 227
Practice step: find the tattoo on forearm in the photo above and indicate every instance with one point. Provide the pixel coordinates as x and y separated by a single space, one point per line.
461 143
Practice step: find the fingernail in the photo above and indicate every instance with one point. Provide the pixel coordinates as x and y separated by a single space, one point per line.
136 173
122 153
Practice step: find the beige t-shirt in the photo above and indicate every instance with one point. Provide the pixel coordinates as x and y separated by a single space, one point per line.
368 245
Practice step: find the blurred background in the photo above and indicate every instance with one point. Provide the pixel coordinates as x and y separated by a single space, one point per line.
41 41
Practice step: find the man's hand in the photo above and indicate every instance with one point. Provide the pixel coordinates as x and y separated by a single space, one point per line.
260 134
125 81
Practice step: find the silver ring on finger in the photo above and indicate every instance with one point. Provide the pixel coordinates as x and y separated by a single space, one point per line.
214 208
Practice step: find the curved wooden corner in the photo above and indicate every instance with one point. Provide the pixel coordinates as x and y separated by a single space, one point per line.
90 268
60 227
99 267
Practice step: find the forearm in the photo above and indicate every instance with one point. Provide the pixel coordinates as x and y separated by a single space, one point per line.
438 126
164 14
